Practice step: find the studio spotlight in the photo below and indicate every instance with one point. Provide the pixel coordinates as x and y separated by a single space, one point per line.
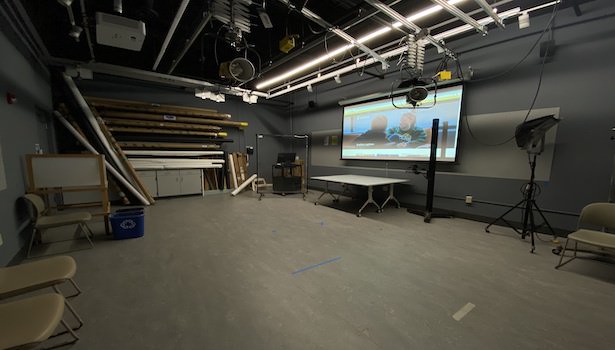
338 79
310 88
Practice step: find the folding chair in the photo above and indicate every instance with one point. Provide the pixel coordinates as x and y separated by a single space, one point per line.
36 275
26 323
43 222
595 214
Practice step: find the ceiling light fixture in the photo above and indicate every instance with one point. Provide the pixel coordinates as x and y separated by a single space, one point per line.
338 79
493 12
453 10
362 40
310 88
394 52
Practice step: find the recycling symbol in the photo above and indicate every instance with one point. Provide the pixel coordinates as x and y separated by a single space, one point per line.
128 224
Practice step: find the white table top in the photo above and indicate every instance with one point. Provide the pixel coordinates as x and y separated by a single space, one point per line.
360 180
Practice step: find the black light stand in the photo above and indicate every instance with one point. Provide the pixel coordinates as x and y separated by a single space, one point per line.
530 136
431 178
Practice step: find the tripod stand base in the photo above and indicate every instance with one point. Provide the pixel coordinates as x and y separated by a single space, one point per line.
529 226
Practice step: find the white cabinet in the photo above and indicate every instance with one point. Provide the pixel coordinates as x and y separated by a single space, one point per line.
190 181
148 178
168 183
165 183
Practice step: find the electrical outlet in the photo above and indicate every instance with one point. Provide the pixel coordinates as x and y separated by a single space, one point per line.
469 200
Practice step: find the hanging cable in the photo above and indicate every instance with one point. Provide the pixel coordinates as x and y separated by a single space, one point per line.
534 99
548 27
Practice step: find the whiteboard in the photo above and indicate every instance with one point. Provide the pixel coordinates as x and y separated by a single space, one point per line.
2 174
51 171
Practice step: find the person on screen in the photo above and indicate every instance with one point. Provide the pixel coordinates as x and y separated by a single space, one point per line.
406 134
376 135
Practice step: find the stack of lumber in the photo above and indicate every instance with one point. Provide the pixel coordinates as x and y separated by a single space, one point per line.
141 125
155 136
237 169
135 135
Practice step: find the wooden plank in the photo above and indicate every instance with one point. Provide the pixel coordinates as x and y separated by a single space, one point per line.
243 171
103 103
206 186
159 153
172 118
124 159
133 137
215 173
164 131
164 145
232 174
237 170
166 125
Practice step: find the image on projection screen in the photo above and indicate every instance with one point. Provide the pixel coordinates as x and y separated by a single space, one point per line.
377 130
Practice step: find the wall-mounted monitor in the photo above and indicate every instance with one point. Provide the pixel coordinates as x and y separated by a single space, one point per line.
391 129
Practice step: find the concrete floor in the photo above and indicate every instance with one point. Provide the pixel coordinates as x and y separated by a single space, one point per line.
216 272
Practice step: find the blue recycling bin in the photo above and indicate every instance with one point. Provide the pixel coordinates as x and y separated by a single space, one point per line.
128 223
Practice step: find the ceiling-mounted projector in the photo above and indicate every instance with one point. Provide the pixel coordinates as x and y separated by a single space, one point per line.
239 69
119 31
418 90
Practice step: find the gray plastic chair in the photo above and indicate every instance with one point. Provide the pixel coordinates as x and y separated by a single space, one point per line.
48 272
595 214
26 323
43 222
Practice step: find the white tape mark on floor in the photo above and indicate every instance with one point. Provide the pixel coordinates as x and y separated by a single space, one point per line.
463 311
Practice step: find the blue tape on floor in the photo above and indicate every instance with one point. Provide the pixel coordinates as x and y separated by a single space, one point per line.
317 265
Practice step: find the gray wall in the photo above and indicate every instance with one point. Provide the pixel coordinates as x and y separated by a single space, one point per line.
21 126
578 80
263 117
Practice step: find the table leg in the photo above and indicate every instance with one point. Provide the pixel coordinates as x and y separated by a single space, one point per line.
326 192
370 199
391 197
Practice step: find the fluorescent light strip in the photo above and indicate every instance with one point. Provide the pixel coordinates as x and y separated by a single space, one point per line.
357 60
362 40
394 52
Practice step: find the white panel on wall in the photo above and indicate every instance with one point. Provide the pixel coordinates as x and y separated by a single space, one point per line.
326 149
505 161
2 175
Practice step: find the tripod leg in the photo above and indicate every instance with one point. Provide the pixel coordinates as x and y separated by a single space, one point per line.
543 218
527 220
532 228
501 217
